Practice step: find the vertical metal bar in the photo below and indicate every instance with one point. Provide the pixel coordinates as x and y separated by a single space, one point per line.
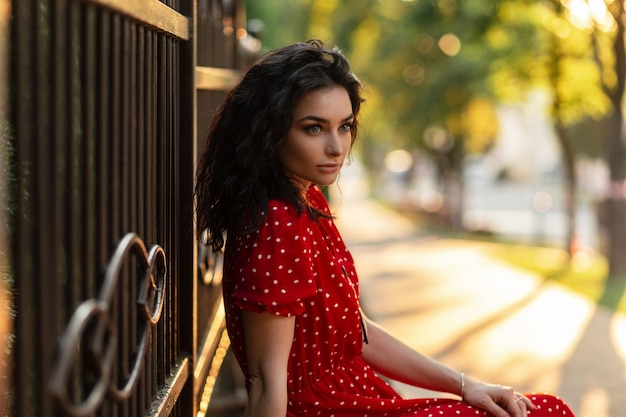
169 193
58 179
6 284
114 189
90 51
125 319
128 313
131 76
22 72
6 302
178 187
151 135
201 37
141 75
115 88
125 118
89 189
161 178
69 121
149 173
103 135
74 261
178 232
49 163
187 291
103 120
102 141
172 194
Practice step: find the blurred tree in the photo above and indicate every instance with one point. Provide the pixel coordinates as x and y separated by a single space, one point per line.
587 72
284 21
555 74
426 67
612 64
574 79
428 63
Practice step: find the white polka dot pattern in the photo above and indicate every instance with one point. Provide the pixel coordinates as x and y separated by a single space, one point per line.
295 265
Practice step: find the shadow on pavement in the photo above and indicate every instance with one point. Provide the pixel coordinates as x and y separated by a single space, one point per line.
490 321
594 372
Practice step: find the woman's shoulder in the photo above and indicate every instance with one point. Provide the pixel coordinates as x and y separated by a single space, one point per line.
284 217
277 207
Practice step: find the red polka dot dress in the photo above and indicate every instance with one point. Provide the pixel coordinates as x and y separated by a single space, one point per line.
297 266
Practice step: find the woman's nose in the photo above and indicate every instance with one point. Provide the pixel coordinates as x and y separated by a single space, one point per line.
333 145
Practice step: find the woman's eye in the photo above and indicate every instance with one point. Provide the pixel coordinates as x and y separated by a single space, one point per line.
313 129
347 127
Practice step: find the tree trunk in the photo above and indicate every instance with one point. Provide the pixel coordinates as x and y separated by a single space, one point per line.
567 152
615 204
454 187
569 188
616 159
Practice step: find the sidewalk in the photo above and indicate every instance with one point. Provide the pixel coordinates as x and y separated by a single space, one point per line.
453 301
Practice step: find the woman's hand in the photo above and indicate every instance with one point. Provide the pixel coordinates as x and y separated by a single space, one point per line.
499 400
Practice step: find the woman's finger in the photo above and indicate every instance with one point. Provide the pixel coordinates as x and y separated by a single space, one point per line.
526 401
515 404
500 402
509 401
521 405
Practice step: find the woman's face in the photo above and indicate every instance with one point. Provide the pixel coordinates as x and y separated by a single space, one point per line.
319 138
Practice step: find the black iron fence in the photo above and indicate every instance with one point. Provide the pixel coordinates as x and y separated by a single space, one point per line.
116 311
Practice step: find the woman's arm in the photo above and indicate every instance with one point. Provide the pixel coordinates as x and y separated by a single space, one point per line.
268 343
392 358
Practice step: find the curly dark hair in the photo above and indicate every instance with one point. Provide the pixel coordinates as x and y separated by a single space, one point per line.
240 170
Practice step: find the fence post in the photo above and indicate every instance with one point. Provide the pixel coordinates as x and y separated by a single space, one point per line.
5 300
188 303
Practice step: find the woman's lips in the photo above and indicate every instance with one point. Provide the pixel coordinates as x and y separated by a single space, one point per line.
330 168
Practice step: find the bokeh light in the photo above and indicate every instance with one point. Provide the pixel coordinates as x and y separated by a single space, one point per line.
542 202
398 161
450 44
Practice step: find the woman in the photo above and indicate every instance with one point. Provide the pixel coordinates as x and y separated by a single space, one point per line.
290 287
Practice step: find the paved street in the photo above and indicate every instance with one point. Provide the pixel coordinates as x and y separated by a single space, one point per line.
454 301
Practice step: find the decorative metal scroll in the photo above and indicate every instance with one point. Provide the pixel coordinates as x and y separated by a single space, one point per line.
92 332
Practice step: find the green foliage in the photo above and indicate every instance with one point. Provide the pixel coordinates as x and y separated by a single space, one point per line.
429 62
285 21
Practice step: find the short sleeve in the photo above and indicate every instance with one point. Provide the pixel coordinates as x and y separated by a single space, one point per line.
275 264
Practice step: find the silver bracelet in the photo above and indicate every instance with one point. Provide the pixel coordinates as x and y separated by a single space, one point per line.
462 384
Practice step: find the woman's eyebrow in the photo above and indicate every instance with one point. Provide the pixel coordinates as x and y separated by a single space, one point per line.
322 120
